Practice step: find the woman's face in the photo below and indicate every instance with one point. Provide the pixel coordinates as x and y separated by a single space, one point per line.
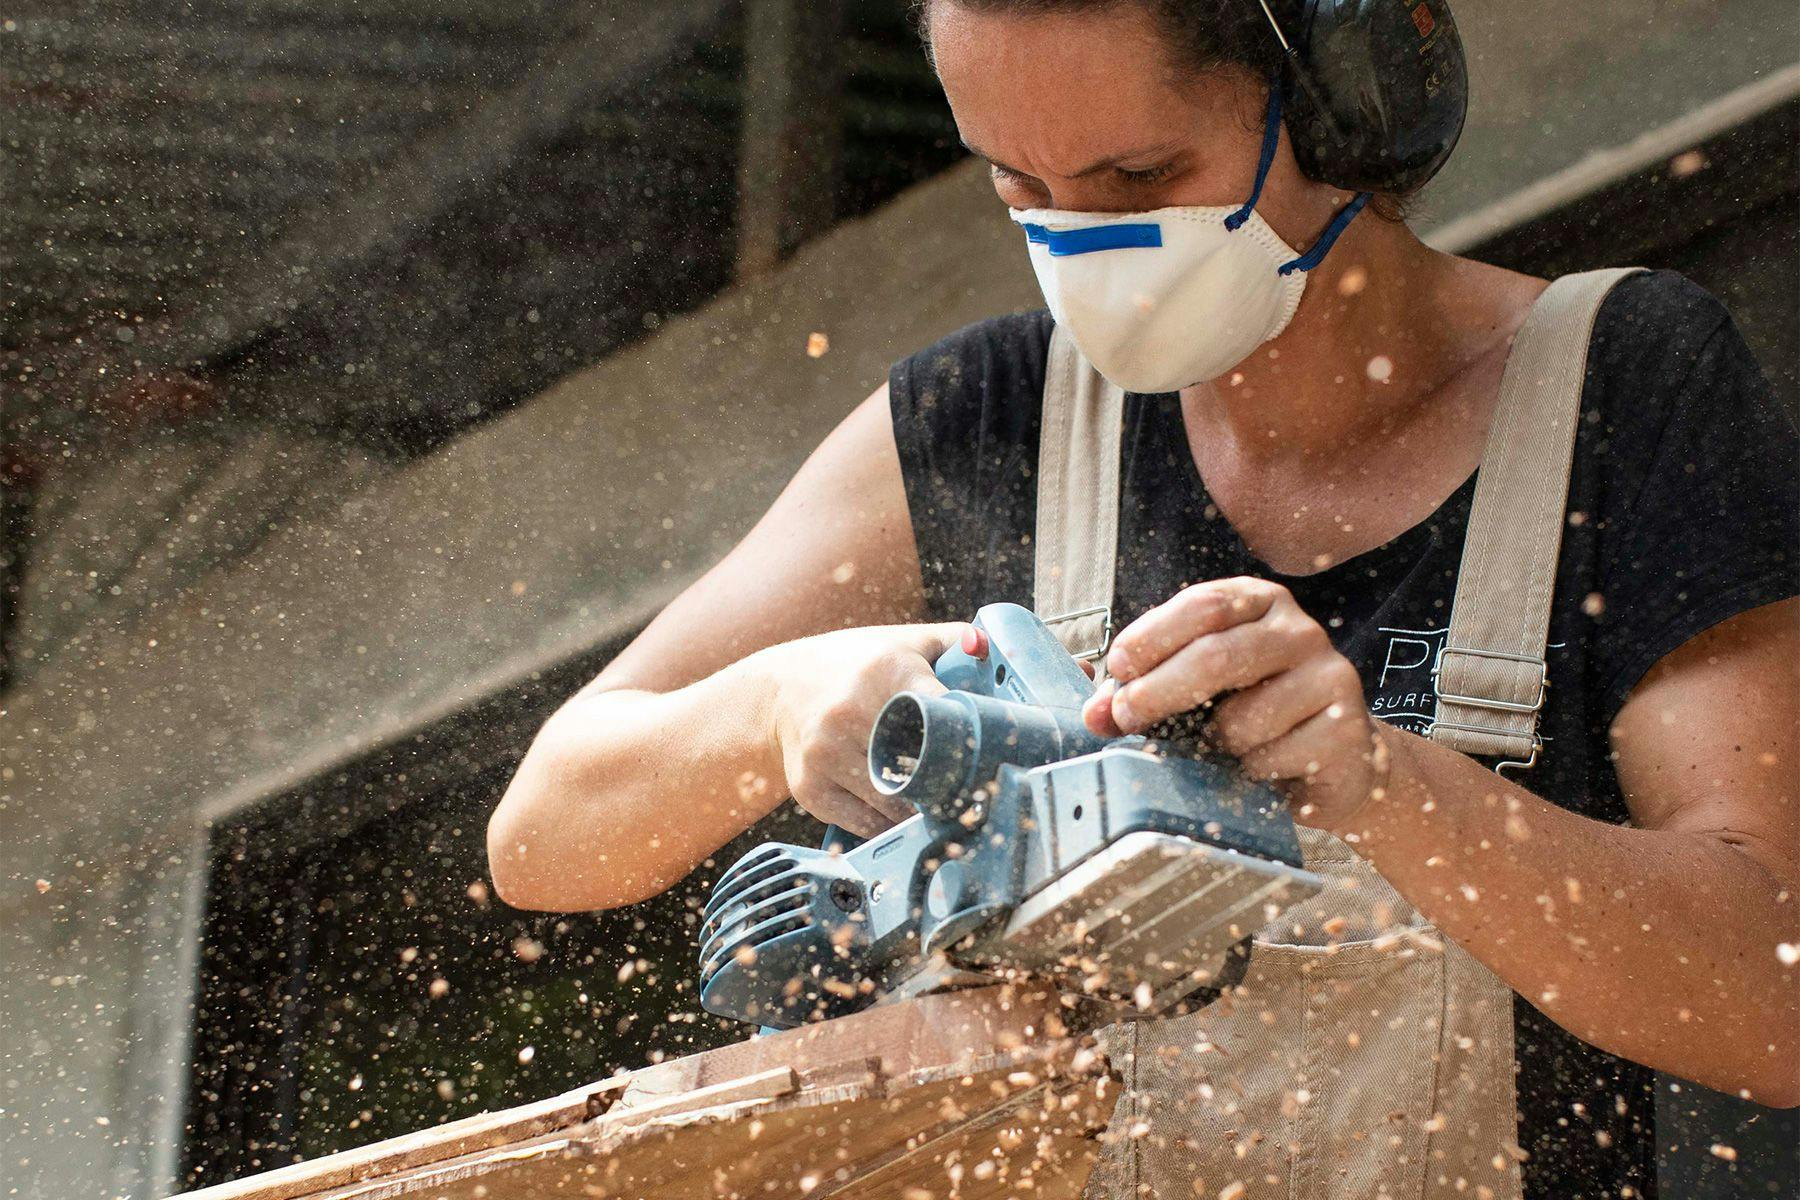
1082 111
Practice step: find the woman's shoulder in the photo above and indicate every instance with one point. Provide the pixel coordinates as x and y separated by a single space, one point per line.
966 413
1657 323
1665 352
1687 469
979 374
1008 334
1692 451
1663 298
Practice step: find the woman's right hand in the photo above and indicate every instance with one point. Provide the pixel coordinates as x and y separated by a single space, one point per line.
827 690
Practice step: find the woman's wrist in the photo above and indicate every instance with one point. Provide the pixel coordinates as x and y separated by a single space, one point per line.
760 677
1388 759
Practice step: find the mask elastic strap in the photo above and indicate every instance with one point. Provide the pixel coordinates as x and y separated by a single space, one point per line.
1271 139
1316 255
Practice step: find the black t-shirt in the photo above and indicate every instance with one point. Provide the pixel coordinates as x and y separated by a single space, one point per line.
1683 510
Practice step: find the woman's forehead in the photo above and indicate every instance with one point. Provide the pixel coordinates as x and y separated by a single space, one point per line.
1060 91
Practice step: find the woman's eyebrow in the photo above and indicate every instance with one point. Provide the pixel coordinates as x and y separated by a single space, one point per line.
1104 164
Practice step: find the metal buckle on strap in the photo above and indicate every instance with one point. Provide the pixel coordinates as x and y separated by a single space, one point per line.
1523 764
1534 707
1103 611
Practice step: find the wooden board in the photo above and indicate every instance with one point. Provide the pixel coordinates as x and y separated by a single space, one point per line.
973 1095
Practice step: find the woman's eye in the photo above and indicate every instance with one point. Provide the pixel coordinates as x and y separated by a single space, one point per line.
1012 184
1147 174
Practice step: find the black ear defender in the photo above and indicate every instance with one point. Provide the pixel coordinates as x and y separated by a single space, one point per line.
1375 91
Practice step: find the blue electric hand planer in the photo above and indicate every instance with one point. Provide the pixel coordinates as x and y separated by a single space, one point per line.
1109 866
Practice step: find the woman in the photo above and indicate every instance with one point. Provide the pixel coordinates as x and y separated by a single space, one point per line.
1292 511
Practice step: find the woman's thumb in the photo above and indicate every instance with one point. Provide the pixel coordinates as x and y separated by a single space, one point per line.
930 641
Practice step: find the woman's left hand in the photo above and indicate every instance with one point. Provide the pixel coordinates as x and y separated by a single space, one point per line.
1295 713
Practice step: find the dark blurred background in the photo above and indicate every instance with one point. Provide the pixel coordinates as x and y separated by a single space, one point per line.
371 369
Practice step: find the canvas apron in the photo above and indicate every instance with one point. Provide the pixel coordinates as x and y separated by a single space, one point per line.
1365 1055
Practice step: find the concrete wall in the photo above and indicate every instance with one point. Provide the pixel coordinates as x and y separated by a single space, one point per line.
547 533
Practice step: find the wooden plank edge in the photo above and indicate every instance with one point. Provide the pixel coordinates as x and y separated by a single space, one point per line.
933 1140
594 1135
762 1086
446 1174
618 1099
455 1139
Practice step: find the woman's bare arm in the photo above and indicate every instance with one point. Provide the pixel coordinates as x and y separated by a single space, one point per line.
672 749
1669 942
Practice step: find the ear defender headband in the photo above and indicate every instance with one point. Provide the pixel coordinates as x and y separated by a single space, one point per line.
1375 90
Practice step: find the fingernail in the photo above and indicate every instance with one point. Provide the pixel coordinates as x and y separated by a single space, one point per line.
1121 710
974 643
1095 711
1117 663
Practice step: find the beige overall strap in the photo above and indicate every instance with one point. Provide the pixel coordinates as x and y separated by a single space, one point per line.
1077 500
1490 674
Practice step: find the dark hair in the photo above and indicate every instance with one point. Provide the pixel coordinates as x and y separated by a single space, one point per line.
1203 35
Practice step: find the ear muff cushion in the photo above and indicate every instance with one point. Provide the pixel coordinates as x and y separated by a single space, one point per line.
1388 96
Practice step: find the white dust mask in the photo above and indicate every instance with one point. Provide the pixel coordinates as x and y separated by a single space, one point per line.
1176 296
